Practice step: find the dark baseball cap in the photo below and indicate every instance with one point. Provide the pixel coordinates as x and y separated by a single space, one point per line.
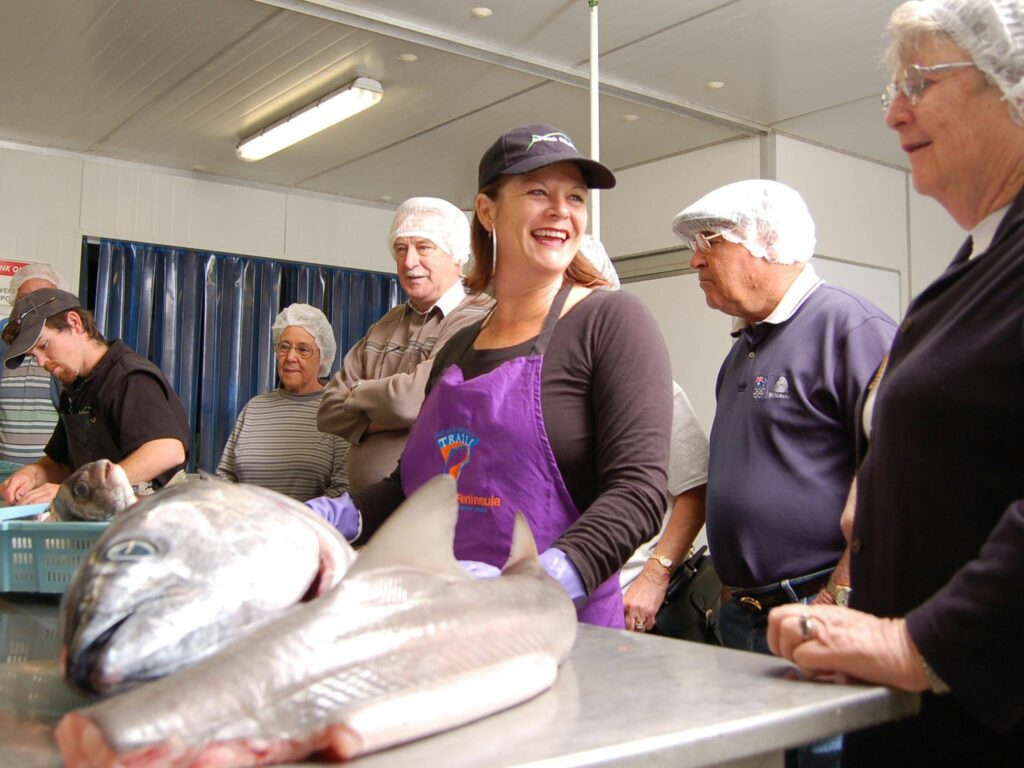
29 316
530 147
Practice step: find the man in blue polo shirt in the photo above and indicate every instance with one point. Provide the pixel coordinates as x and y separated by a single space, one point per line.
783 439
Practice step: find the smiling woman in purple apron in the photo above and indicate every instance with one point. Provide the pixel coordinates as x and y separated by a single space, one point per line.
557 405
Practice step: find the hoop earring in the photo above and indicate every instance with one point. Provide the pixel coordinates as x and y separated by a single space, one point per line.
494 251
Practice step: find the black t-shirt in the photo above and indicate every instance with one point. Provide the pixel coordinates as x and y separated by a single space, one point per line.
135 401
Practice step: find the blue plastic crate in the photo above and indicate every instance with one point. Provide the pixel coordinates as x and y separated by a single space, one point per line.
42 557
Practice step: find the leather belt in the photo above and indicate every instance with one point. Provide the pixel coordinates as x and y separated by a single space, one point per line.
763 599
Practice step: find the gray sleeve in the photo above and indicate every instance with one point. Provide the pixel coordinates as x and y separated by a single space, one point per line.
688 450
339 467
226 468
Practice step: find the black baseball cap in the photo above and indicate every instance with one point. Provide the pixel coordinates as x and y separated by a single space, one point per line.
28 317
529 147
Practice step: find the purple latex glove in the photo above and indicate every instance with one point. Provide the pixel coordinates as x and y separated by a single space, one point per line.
339 512
561 569
480 570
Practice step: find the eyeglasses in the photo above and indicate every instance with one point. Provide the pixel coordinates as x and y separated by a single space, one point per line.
914 82
302 350
702 242
13 327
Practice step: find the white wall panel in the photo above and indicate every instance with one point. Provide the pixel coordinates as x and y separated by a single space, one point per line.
697 336
333 232
934 239
636 216
40 196
859 207
149 205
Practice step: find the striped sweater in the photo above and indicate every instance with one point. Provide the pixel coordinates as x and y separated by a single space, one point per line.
27 415
275 444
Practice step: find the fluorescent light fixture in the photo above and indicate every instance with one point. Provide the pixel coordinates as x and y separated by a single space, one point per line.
362 93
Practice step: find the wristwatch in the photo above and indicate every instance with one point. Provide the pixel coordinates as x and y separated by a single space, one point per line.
665 562
839 593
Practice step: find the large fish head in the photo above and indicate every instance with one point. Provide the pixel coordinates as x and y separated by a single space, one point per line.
97 491
176 578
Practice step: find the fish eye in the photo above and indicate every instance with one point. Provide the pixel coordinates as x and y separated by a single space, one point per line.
80 490
131 550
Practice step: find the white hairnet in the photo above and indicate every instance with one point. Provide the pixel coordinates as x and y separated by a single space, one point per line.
990 31
438 221
594 250
767 218
35 271
313 321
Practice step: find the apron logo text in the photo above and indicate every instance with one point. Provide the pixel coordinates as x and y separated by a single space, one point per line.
455 446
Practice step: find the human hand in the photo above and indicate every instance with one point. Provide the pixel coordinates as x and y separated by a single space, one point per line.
560 568
841 645
41 494
340 512
644 597
17 485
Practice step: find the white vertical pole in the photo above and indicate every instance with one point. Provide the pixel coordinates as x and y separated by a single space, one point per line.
595 119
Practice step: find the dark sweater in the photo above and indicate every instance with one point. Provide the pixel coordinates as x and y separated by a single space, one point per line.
939 529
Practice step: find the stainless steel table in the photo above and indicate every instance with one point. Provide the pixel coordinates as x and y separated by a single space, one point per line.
621 699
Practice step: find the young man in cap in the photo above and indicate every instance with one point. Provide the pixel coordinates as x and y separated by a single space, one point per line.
115 404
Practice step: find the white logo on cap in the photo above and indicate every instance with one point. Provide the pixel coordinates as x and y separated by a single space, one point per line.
556 136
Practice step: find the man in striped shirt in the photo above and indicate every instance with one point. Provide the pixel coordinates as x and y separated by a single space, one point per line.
28 394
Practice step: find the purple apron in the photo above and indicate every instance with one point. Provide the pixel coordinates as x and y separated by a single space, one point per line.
488 433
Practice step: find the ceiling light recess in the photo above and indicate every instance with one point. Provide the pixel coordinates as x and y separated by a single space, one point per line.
362 93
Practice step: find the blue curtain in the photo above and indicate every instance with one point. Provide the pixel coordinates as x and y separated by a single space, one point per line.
205 319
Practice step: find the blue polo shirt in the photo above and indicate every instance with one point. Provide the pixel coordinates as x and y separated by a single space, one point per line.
783 439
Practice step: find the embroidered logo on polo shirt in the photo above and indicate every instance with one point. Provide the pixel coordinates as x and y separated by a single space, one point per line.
771 388
456 445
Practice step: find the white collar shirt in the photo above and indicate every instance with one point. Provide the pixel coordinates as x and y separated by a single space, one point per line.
806 283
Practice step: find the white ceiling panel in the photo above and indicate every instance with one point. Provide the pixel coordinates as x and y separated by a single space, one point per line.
73 72
553 30
858 128
443 159
778 58
178 83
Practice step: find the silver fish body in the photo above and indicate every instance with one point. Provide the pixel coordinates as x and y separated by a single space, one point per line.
406 645
97 491
186 571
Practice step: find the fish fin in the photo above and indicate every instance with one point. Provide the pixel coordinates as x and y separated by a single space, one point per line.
420 533
523 555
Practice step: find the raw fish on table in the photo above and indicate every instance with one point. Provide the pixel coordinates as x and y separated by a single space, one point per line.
186 571
97 491
406 645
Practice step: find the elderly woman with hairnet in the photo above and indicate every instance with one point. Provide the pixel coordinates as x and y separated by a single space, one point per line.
937 540
275 442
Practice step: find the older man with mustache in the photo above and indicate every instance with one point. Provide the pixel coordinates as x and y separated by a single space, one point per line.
375 397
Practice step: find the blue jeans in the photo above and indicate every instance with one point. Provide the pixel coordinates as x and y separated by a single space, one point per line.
746 631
